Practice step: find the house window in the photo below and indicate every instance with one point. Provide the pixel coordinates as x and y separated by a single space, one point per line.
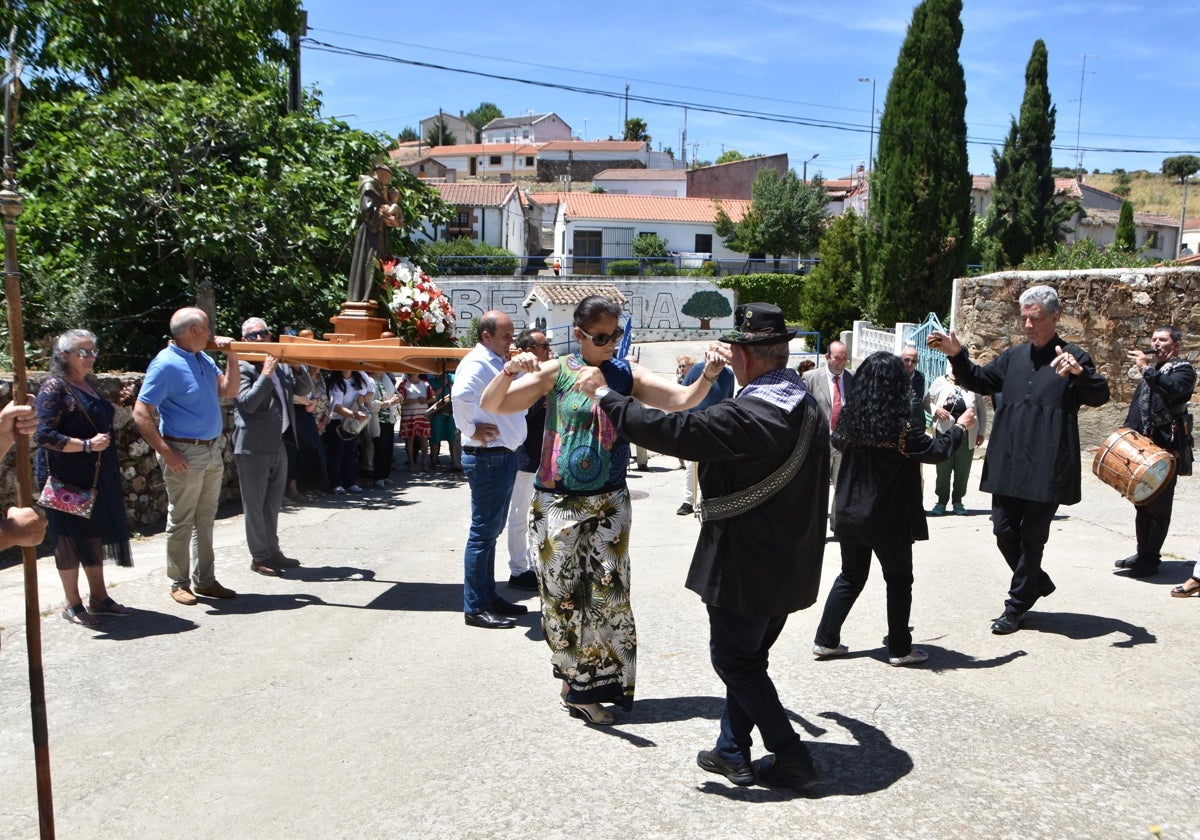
462 219
1151 242
493 160
704 243
525 134
529 160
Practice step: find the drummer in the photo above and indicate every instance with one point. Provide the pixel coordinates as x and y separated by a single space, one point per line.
1159 410
1032 463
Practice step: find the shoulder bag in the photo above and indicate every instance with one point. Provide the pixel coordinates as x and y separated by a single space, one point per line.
68 498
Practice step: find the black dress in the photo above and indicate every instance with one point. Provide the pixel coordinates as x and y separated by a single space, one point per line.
66 412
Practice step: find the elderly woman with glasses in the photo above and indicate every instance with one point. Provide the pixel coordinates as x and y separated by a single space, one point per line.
580 513
74 433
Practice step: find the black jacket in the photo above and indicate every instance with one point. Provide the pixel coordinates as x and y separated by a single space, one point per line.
767 561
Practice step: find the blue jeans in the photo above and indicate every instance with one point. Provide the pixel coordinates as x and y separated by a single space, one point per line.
490 473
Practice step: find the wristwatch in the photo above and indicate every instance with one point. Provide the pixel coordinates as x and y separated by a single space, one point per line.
602 392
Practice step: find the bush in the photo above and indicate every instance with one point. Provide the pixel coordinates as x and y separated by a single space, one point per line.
1083 254
665 268
649 245
624 268
463 256
783 290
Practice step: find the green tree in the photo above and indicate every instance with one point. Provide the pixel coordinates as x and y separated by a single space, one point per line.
1126 236
730 155
786 216
135 196
706 305
649 246
1024 217
1181 167
920 205
635 129
98 46
1123 187
481 116
408 134
829 299
440 133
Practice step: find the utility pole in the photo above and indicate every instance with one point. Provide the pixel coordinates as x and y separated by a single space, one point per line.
871 147
626 110
294 91
1078 120
683 144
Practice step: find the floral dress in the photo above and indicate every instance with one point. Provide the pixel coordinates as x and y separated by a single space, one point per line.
579 522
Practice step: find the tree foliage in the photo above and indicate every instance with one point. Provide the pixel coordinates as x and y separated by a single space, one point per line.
1126 236
1024 216
1181 167
649 246
1083 254
98 46
829 302
783 290
440 133
481 116
786 216
408 134
706 305
920 206
729 156
635 129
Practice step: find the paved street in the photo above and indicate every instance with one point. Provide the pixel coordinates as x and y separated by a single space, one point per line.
348 699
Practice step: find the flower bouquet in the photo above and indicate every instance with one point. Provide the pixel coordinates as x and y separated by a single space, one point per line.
420 310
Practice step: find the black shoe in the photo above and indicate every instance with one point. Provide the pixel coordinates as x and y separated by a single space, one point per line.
502 607
489 620
1046 588
526 580
1008 623
1143 570
797 774
1126 562
738 772
685 510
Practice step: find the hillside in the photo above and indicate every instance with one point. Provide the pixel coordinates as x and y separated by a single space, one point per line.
1153 193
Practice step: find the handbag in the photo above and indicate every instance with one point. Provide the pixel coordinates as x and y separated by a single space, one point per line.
68 498
444 406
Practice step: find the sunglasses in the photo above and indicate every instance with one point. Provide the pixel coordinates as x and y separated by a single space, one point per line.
542 345
257 334
85 353
601 340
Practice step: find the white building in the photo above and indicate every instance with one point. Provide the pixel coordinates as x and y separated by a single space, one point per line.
491 213
666 182
481 160
532 128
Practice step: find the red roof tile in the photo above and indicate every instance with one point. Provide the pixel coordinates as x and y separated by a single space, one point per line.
595 145
567 294
651 208
484 149
476 195
642 175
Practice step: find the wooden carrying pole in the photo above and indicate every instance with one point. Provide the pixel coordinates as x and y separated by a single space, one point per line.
10 205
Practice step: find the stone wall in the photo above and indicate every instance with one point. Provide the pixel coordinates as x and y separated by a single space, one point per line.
581 170
145 498
1105 311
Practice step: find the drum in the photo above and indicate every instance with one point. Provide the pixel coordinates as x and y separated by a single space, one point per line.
1134 466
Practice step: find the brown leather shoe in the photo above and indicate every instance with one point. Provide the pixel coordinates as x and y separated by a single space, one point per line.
183 595
265 567
215 590
282 561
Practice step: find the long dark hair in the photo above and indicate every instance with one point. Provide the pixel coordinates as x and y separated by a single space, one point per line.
334 379
877 409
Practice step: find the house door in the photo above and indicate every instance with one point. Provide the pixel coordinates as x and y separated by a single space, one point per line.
587 252
473 165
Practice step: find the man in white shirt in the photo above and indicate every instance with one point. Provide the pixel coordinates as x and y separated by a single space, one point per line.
830 385
489 460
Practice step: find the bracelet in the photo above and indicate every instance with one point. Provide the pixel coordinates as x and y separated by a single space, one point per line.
710 379
504 370
87 445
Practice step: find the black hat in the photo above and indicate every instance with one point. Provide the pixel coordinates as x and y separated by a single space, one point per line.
758 323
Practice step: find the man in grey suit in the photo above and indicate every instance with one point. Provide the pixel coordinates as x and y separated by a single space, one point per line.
830 385
263 415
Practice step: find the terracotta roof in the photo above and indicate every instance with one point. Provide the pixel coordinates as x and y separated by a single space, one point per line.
569 294
484 149
1094 216
983 183
1071 188
1191 224
595 146
476 195
651 208
642 175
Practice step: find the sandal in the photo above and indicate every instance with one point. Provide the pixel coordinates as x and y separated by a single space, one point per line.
108 607
1188 589
598 717
78 615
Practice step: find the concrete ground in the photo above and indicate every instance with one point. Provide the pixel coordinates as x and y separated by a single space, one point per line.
348 699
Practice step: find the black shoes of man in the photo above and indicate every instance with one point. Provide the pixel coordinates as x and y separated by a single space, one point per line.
496 616
798 773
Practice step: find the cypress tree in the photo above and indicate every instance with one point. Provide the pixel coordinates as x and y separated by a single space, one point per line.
1126 239
920 208
1023 217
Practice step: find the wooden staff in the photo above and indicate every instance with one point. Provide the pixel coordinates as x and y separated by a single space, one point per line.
10 206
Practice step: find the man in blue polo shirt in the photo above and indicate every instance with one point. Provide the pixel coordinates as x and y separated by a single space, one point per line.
184 387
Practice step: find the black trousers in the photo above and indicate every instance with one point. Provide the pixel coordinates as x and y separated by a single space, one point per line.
896 560
1022 527
1151 523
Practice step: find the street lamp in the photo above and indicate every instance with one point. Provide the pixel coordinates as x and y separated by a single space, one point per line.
871 149
805 175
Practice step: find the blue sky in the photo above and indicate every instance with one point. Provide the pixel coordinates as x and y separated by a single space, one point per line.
1137 64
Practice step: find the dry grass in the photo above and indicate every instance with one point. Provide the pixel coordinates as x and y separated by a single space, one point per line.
1153 193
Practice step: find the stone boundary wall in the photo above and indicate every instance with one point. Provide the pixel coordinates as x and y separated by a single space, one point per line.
1105 311
145 497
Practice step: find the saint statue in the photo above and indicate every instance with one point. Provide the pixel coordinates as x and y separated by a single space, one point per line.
377 212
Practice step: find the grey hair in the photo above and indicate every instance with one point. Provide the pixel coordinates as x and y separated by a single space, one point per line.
1043 296
186 318
776 351
249 323
63 345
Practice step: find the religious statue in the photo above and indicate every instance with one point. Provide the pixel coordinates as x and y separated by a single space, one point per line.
377 212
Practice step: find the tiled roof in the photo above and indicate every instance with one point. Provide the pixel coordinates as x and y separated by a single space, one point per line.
476 195
982 183
1094 216
569 294
651 208
484 149
1191 224
641 175
594 146
515 122
1071 188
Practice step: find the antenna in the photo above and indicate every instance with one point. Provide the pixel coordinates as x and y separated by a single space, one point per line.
1079 116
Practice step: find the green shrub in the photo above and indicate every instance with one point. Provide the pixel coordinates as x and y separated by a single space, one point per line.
663 269
783 290
1083 254
461 256
649 245
624 268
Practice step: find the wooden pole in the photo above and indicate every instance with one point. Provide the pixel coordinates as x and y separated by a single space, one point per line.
10 205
